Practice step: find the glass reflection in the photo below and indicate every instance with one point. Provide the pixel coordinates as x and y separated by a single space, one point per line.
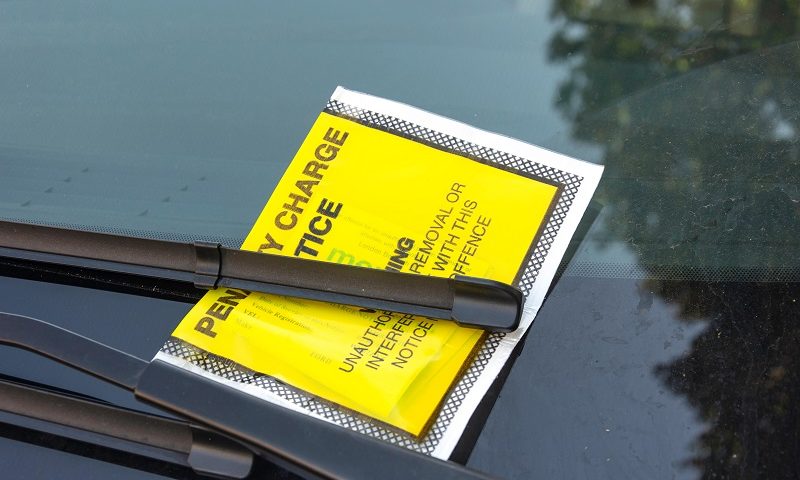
696 106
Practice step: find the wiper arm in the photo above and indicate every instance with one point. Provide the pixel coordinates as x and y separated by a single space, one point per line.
146 436
288 438
471 302
71 349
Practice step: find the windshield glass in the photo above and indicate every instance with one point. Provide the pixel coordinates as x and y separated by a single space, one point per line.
667 348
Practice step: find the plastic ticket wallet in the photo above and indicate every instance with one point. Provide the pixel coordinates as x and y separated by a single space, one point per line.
379 184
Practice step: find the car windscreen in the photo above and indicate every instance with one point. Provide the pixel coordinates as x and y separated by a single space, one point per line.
666 348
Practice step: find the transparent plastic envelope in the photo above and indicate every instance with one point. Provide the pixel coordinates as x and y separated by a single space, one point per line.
379 184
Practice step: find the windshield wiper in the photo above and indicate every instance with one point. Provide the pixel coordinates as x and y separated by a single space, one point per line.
288 438
141 435
469 301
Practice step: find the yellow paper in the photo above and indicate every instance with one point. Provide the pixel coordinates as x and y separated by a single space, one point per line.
358 195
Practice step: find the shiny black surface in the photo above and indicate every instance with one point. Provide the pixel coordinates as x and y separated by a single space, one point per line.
668 349
638 378
625 378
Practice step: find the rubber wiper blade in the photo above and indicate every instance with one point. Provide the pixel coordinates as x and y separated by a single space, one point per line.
472 302
288 438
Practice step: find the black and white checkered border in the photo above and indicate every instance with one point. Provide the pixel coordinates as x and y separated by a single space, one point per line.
569 183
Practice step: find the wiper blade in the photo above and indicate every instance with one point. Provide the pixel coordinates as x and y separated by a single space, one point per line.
288 438
469 301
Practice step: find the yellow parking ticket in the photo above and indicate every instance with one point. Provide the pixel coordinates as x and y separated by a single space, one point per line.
363 195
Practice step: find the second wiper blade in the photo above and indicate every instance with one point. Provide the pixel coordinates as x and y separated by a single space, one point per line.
290 439
469 301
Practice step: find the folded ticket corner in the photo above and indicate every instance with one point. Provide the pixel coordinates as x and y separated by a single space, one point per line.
380 184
